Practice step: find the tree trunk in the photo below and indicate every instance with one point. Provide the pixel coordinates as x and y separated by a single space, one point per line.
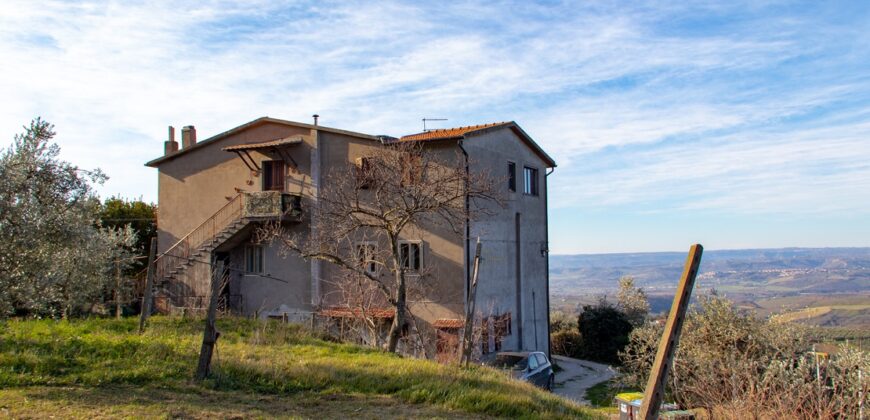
210 335
399 319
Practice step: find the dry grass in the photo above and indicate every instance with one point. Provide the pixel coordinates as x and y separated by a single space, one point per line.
103 368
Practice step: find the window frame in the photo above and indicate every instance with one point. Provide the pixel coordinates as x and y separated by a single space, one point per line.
269 176
512 176
530 181
408 266
369 265
249 249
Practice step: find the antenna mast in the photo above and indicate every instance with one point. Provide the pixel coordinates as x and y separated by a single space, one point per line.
431 119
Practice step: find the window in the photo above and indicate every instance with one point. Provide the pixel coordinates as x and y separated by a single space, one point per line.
363 172
273 175
254 259
512 176
410 255
365 253
412 170
541 359
533 362
530 181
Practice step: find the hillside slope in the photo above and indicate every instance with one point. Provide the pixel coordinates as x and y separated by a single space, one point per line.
102 368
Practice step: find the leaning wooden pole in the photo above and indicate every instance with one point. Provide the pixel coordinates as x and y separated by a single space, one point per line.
469 312
655 386
149 284
210 335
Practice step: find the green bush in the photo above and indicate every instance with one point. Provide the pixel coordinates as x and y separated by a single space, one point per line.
605 330
567 343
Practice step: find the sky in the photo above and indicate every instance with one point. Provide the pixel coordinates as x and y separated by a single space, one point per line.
731 124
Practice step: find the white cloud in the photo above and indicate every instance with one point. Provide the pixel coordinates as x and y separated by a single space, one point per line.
762 114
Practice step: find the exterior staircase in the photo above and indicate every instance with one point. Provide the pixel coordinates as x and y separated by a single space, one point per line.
196 247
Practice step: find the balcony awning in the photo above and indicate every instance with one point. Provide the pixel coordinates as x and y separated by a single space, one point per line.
264 145
273 146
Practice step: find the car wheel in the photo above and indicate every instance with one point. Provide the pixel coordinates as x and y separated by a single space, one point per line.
551 383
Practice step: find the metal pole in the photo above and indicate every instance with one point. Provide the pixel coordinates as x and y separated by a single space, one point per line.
655 386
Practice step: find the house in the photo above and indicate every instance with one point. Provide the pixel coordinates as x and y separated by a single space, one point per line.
214 194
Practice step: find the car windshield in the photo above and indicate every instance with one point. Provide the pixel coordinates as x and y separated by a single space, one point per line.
508 361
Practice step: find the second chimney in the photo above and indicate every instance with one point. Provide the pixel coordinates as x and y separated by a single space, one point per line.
188 136
170 146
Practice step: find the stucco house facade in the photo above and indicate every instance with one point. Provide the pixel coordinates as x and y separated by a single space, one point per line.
213 194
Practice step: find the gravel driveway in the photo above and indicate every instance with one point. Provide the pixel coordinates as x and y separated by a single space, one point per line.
577 376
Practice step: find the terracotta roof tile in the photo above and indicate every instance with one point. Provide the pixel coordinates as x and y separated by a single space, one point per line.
344 312
449 133
448 323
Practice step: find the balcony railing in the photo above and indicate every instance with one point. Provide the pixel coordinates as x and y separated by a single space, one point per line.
272 204
246 206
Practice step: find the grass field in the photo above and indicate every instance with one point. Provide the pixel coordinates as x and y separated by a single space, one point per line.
103 368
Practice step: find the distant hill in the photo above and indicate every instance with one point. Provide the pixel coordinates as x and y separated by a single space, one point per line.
747 275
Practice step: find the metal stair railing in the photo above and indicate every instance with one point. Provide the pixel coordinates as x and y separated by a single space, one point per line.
204 234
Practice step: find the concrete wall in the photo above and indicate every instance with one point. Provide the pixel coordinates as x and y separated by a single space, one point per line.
441 294
499 275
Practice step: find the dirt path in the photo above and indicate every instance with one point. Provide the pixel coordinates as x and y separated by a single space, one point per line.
577 376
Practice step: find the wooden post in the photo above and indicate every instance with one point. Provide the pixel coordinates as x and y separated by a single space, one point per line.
210 335
469 313
655 386
149 284
117 287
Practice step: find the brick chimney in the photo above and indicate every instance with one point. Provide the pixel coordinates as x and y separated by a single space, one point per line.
188 136
170 146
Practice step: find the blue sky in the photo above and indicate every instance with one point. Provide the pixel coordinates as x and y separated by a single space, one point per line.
734 124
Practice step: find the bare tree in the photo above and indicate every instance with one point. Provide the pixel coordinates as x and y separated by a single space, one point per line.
364 209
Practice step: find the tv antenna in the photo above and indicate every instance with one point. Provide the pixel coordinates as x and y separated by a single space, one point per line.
431 119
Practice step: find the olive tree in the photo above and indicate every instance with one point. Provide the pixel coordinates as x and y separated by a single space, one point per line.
53 253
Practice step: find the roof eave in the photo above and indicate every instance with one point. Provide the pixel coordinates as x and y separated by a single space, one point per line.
262 120
523 135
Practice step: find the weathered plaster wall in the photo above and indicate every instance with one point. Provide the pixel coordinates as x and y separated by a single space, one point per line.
497 284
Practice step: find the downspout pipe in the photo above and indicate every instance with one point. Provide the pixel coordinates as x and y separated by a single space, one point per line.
467 225
547 261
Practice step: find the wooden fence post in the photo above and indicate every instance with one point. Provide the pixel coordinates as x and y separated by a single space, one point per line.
469 313
655 386
117 286
210 335
149 284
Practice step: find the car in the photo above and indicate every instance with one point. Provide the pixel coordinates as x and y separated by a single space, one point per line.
532 367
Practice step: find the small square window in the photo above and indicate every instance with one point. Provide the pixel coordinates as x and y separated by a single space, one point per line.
410 255
530 181
254 259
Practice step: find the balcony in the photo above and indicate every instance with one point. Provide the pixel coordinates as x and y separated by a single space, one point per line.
272 205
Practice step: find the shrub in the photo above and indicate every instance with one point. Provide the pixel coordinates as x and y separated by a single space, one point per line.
605 331
736 365
567 343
